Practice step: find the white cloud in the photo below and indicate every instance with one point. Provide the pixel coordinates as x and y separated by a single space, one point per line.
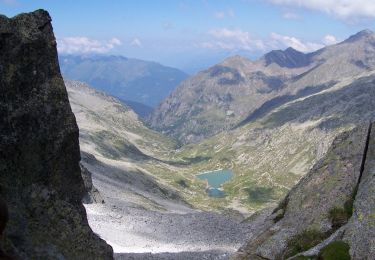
113 42
225 38
329 40
339 8
136 42
280 41
71 45
237 39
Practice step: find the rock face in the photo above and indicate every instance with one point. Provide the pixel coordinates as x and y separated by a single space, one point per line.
40 176
335 201
289 58
360 230
238 91
92 193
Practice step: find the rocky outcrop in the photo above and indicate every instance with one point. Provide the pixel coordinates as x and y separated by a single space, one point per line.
334 202
289 58
92 193
40 176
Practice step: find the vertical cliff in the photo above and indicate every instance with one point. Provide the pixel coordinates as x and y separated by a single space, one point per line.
40 176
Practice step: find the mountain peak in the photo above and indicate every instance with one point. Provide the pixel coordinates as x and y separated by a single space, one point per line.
236 59
291 50
290 58
364 34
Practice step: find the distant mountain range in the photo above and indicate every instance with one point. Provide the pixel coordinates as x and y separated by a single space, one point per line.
238 90
134 80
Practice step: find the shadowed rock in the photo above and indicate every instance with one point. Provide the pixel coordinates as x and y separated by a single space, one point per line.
335 201
92 193
40 176
360 230
289 58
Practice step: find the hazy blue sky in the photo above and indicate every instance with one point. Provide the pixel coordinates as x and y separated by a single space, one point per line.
192 34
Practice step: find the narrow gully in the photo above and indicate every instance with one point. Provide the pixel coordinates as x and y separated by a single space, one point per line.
364 157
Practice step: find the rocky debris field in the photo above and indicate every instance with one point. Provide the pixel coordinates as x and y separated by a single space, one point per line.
208 255
136 230
140 224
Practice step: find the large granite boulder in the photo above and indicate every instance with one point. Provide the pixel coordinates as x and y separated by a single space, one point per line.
40 176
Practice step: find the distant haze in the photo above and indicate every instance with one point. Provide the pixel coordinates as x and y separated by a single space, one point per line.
143 82
192 35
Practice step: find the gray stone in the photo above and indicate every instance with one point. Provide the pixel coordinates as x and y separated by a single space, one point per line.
40 176
331 183
92 193
360 230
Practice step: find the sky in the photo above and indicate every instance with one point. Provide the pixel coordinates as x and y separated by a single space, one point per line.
194 34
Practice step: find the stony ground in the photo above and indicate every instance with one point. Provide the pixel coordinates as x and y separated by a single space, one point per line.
143 224
136 230
209 255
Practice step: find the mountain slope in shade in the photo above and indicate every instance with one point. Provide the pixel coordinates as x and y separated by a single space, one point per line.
135 80
142 110
238 90
289 58
335 201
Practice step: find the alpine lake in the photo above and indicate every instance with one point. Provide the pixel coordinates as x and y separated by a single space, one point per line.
215 180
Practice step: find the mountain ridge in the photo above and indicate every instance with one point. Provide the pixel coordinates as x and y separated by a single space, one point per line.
146 82
219 98
289 57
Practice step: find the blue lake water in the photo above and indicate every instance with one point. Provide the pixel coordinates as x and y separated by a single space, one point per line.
215 179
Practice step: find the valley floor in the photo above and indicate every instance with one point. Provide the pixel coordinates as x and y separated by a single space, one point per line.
141 224
166 235
208 255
